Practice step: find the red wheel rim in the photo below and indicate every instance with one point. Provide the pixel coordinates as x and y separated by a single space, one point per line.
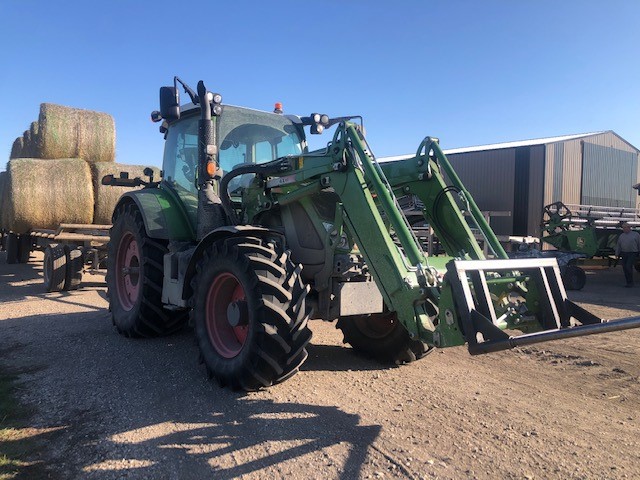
128 271
377 325
226 339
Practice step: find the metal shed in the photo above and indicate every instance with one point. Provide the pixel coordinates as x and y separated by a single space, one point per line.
522 177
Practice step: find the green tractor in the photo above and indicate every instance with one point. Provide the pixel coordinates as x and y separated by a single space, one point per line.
248 235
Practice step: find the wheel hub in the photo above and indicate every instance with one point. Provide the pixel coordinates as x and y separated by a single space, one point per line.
128 271
227 315
238 313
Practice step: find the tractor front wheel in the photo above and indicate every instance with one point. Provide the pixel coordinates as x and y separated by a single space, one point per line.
382 337
134 278
249 314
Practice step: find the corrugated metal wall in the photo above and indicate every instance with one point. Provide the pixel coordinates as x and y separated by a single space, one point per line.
597 170
489 177
608 174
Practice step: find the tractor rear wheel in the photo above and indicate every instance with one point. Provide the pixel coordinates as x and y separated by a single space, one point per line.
382 337
134 279
249 314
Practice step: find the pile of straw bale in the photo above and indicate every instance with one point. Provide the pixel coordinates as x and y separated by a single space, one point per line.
106 197
55 169
65 132
45 193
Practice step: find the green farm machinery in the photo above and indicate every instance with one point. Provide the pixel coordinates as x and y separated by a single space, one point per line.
249 235
586 229
586 232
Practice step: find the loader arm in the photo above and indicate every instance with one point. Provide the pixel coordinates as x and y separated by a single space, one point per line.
422 176
477 299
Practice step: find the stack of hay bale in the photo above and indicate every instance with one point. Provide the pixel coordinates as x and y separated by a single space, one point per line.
54 172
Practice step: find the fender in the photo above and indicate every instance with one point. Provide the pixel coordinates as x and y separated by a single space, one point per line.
214 236
164 216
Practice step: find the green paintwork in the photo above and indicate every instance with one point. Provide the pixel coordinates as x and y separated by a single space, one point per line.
406 277
577 234
367 212
165 216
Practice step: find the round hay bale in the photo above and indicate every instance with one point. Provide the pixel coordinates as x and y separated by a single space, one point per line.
34 128
106 197
27 145
45 193
16 149
65 132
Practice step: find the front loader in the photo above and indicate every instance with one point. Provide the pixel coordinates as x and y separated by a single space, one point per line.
249 235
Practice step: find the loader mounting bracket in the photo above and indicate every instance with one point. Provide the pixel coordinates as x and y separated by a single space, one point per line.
483 329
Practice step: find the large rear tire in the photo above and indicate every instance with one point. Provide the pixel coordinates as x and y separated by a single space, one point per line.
381 337
134 279
250 315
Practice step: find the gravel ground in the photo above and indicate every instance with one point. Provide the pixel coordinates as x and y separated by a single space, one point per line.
110 407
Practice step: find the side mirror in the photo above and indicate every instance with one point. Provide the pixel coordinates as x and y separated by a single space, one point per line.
169 103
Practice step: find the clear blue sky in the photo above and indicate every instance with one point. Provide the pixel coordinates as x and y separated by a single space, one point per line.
468 72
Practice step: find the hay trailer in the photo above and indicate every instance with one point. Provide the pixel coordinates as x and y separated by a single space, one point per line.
69 251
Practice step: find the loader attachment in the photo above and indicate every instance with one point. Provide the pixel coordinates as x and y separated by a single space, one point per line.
528 295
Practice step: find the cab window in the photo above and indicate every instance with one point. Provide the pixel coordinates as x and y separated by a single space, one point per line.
251 136
181 154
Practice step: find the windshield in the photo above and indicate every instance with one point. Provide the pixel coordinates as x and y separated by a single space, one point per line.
251 136
244 136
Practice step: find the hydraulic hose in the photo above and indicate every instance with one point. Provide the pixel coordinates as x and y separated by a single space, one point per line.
262 170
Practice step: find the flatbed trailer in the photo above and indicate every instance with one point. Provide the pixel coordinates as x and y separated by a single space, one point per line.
69 251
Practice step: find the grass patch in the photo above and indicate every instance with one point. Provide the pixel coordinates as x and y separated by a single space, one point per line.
15 442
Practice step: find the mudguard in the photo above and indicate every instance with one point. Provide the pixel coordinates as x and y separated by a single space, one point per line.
165 216
214 236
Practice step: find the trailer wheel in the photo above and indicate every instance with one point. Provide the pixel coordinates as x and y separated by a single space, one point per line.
134 278
24 248
574 277
54 268
12 247
75 265
381 337
250 315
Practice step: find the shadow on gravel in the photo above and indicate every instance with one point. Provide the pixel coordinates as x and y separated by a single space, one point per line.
336 358
143 409
255 435
22 281
606 287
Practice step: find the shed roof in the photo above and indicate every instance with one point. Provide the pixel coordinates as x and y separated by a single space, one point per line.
498 146
523 143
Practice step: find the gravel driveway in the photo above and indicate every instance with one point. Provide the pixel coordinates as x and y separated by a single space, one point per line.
110 407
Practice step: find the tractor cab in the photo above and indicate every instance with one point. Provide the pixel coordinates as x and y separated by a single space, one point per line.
245 136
